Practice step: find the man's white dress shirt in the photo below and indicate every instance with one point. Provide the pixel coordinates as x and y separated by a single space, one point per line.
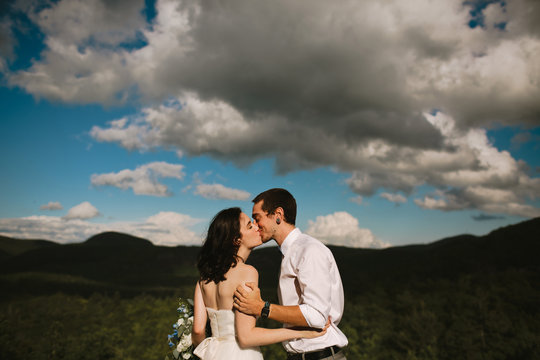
310 278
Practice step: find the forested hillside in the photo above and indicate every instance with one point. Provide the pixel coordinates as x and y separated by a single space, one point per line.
114 297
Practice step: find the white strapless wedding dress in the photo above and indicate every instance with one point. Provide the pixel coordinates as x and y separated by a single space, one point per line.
223 345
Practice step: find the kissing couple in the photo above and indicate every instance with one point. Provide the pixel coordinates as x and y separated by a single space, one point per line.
310 291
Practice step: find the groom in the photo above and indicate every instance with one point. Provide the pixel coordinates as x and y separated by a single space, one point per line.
310 289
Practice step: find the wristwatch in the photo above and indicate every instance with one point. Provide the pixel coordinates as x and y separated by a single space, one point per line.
265 310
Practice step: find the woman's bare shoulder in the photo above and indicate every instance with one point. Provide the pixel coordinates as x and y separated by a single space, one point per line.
247 272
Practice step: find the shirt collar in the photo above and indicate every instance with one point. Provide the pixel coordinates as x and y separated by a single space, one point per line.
289 240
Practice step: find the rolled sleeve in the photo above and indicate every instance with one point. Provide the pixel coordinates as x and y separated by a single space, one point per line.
313 317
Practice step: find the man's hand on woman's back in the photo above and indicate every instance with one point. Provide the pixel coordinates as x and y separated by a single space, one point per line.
247 299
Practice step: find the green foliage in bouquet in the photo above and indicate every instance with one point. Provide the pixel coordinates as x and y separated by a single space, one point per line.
180 339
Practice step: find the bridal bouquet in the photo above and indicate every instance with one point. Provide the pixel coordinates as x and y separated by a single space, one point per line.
180 339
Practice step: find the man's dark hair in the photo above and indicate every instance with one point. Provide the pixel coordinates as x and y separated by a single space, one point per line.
274 198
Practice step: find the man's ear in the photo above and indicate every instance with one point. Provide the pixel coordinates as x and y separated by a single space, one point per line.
279 213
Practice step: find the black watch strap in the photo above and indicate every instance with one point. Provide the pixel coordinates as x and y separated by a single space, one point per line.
265 310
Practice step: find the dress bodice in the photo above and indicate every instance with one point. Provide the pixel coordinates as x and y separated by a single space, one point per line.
222 345
221 323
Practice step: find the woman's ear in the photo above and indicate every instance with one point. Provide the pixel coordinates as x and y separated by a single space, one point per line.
237 241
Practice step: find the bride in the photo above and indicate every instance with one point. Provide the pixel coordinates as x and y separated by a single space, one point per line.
221 263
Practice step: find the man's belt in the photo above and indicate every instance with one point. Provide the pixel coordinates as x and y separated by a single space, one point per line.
314 355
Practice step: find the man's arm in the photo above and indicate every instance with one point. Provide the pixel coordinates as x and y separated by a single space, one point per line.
251 303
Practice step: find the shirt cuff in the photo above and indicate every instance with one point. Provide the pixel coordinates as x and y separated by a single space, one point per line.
313 318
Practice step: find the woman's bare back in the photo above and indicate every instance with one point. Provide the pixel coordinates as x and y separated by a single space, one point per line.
220 296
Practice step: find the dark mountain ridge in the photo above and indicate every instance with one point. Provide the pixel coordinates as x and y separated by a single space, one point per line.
10 246
122 260
515 246
116 239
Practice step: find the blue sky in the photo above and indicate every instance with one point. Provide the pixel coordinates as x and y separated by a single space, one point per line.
391 125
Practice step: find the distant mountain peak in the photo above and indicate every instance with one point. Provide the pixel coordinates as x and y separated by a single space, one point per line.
116 239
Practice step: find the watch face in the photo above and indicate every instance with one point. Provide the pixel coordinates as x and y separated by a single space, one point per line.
265 310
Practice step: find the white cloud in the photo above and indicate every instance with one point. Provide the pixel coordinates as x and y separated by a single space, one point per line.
395 198
52 205
466 159
492 201
429 202
341 228
143 180
83 61
128 137
83 211
88 57
173 228
48 228
469 170
354 81
218 191
165 228
359 62
103 22
367 181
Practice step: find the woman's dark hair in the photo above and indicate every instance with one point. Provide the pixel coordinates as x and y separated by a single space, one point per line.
274 198
218 253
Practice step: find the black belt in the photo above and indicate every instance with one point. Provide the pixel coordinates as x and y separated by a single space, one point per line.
314 355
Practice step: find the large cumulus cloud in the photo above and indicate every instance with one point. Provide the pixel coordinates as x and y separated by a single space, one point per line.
396 93
341 228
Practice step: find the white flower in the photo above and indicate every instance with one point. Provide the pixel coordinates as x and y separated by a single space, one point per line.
186 341
180 348
181 338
